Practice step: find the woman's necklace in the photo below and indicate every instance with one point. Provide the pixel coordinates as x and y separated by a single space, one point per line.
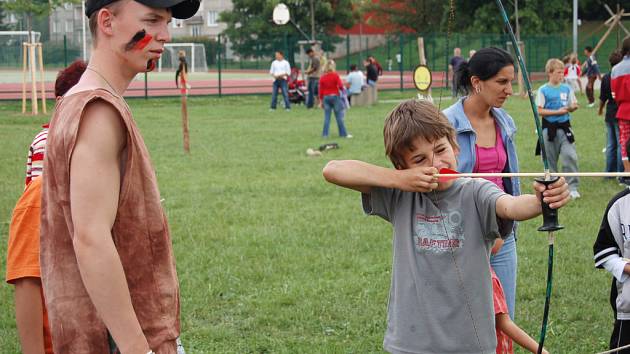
104 79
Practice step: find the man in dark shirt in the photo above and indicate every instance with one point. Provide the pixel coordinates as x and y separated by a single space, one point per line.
592 73
613 150
453 65
371 72
313 77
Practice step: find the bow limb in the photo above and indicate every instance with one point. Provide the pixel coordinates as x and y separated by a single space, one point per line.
549 215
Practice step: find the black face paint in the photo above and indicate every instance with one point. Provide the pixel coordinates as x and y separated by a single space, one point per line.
139 40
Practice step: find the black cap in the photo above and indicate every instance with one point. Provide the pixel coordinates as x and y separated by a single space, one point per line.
181 9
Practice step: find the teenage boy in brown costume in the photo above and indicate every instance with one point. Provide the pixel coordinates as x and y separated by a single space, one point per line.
107 262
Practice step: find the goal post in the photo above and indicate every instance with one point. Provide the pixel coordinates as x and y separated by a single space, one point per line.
195 56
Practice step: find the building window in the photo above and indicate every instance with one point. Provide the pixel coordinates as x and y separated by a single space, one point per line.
68 6
212 18
55 27
195 30
69 26
177 23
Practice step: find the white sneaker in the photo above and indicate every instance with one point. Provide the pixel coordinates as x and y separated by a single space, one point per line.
591 105
349 136
574 194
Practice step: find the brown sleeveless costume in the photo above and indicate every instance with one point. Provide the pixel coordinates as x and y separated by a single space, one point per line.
140 234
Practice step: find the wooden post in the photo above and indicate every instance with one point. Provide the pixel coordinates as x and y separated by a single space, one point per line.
521 87
423 61
185 124
24 68
41 76
184 94
615 21
34 104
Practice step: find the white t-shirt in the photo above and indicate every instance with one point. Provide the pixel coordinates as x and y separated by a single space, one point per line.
572 71
356 81
279 67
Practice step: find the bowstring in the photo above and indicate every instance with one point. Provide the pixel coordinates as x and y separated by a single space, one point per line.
451 18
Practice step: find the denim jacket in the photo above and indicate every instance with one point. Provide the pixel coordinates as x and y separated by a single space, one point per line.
467 138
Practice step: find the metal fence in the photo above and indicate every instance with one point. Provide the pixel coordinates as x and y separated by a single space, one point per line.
395 52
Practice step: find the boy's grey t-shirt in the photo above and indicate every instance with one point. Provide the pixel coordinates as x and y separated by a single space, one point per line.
428 310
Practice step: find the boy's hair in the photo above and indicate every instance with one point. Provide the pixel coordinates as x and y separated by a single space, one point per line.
280 52
553 64
309 51
353 67
408 121
614 58
588 48
93 19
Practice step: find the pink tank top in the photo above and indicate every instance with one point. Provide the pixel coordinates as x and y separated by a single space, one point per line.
491 159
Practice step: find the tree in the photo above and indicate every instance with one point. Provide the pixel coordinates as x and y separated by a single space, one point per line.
481 16
404 15
30 8
251 31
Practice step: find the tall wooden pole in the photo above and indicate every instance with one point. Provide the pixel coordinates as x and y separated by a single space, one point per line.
24 68
41 76
34 105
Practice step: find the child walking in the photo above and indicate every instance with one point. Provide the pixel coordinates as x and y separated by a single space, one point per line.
441 290
555 101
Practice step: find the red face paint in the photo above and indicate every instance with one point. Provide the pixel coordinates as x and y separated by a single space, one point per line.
140 40
143 42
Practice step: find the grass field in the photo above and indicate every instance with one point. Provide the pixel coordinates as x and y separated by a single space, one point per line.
271 259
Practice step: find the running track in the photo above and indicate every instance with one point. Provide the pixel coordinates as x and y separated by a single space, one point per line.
232 86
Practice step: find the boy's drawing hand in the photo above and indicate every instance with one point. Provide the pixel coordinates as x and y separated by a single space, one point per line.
562 111
557 195
417 179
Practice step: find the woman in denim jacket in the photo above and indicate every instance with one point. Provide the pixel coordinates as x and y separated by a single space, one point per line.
485 134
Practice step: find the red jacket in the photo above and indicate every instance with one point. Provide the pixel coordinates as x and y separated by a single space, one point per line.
329 84
620 85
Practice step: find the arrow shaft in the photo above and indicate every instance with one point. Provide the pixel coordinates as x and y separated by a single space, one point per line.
535 174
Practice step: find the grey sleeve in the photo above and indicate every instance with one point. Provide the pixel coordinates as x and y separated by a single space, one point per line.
486 195
315 64
380 202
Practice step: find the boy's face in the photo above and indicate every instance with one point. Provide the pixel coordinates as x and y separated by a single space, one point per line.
133 18
556 76
438 154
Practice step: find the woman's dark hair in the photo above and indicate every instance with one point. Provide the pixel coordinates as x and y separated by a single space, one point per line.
615 57
485 64
353 67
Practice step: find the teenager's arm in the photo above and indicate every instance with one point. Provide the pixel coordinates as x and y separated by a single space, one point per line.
29 314
527 206
553 112
505 325
95 176
362 176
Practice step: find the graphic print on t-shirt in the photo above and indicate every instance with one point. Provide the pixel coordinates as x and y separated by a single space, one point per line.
438 233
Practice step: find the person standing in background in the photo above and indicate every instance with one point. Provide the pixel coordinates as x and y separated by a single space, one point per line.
312 72
620 84
453 65
592 73
613 150
280 71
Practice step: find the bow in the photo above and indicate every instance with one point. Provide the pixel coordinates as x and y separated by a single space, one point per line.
550 216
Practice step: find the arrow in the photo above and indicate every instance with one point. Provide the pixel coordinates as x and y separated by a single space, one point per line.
446 174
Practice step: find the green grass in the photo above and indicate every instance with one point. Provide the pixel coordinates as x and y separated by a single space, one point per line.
272 259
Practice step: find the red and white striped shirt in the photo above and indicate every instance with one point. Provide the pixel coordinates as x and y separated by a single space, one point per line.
35 160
